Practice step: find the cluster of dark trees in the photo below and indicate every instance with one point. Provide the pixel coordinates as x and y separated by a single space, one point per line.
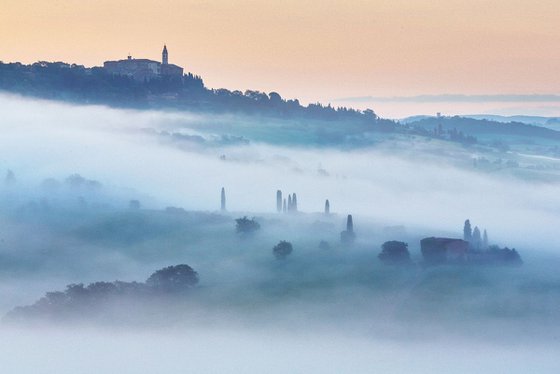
474 238
71 82
171 281
286 206
246 226
283 249
472 249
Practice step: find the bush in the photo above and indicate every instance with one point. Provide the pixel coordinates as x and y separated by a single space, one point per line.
394 252
282 250
245 225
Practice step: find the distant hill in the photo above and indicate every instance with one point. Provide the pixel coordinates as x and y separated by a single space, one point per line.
78 84
483 127
550 122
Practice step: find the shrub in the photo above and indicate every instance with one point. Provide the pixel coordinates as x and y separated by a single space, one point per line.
245 225
394 252
282 250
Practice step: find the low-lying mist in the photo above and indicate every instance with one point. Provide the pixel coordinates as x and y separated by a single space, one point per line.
96 194
415 183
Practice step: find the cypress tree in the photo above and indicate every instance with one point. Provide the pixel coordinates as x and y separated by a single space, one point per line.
467 232
476 239
327 207
349 224
347 236
290 203
294 202
223 200
278 201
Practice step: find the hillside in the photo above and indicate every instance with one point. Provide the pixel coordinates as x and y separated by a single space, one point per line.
75 83
285 119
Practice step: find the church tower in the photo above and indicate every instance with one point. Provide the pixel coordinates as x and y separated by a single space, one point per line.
164 56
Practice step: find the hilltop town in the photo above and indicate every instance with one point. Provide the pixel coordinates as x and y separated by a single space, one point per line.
143 83
141 69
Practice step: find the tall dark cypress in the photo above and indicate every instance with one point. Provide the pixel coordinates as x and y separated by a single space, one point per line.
223 200
278 201
349 224
467 231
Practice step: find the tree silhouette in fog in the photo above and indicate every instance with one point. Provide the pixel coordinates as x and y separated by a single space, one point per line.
394 252
476 241
467 231
173 278
246 226
348 236
223 200
282 250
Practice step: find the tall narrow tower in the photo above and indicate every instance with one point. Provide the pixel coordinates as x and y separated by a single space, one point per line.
164 56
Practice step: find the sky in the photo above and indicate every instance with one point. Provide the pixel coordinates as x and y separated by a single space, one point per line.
313 50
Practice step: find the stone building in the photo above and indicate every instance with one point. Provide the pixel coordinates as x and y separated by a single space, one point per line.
442 250
143 69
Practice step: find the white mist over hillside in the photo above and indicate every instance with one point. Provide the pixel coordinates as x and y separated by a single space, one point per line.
328 310
406 184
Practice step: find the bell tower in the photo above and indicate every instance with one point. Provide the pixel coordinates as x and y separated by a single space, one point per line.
164 56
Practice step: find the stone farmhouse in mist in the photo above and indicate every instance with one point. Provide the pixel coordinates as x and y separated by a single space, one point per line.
142 69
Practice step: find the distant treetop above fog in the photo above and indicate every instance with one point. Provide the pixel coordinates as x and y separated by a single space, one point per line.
173 278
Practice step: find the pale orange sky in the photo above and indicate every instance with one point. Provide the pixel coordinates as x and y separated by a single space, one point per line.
313 50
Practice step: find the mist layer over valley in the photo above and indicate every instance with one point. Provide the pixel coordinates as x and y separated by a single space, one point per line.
96 194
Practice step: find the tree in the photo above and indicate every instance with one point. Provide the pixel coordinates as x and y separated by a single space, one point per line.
173 278
275 98
282 250
278 201
485 240
347 236
467 231
327 207
223 200
246 226
394 253
349 224
290 203
476 240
